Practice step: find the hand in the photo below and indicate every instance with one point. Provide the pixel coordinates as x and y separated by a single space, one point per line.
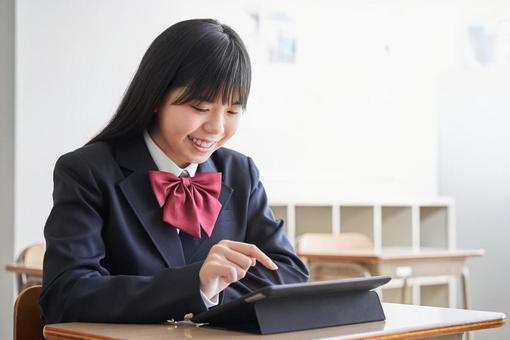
227 262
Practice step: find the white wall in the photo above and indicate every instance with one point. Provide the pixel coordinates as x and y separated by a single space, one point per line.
474 110
334 111
346 109
6 163
475 170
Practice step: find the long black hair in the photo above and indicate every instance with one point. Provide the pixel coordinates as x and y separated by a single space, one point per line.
205 57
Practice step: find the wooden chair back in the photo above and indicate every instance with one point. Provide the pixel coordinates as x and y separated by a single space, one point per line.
31 256
28 319
331 244
320 243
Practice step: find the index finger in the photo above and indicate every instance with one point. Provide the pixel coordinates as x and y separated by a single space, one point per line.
253 251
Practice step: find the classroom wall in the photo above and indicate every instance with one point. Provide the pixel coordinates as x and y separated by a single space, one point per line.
475 169
474 145
328 113
6 163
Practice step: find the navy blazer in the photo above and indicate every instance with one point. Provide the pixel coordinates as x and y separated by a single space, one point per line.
111 258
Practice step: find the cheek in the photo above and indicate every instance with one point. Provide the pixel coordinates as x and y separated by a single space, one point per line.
231 128
178 126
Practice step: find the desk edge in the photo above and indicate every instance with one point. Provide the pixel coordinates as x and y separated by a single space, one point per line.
459 329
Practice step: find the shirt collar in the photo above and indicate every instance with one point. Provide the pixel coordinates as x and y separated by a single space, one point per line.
163 162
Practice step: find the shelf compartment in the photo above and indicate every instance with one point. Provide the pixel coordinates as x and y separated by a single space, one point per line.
313 219
357 219
434 227
396 226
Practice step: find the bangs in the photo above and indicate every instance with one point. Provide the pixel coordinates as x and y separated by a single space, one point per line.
215 69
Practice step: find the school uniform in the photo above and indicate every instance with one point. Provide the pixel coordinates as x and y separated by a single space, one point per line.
110 257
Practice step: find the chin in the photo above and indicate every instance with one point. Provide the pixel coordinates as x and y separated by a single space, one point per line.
199 159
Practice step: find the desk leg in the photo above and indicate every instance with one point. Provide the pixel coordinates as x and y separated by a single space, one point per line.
466 299
404 289
464 277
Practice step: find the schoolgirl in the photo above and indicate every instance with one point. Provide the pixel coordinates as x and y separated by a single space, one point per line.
153 218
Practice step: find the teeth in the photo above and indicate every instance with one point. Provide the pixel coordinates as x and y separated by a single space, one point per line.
201 143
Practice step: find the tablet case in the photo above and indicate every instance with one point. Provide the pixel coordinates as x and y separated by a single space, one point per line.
301 309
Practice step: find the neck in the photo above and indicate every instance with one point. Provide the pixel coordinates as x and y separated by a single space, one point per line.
155 135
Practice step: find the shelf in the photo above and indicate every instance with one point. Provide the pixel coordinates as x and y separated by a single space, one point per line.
313 219
396 227
359 219
426 224
434 227
393 223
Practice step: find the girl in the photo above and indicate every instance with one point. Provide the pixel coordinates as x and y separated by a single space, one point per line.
152 218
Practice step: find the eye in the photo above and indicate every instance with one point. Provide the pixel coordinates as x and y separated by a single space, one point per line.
199 109
235 110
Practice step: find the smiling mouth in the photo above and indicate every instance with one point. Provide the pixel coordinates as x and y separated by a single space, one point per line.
201 143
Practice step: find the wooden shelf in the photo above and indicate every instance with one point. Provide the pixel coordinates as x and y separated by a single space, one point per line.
317 219
397 227
417 224
434 227
429 223
358 219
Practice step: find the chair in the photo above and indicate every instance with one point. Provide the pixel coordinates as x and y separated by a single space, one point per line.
31 256
333 244
28 319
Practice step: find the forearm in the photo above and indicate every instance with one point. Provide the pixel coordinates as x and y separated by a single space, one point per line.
123 298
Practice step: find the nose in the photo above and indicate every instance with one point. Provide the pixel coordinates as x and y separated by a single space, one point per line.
215 123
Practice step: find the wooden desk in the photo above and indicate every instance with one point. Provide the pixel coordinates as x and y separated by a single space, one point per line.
402 263
402 322
34 271
26 276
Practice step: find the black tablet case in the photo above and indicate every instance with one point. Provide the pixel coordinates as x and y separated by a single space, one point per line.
266 311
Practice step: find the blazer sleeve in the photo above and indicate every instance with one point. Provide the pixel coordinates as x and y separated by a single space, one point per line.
76 287
268 234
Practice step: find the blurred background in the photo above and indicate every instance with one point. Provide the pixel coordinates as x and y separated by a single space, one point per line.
351 100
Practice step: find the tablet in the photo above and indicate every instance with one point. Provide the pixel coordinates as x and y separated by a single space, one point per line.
234 310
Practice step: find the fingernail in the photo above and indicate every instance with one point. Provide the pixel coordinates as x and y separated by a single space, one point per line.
275 266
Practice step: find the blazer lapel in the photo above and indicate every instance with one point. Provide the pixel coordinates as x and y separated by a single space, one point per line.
134 156
191 244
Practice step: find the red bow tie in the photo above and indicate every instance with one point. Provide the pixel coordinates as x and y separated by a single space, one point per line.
188 202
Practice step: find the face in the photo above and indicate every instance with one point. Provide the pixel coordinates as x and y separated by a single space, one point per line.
191 132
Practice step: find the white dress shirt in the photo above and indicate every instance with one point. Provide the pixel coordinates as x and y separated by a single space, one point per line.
164 163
